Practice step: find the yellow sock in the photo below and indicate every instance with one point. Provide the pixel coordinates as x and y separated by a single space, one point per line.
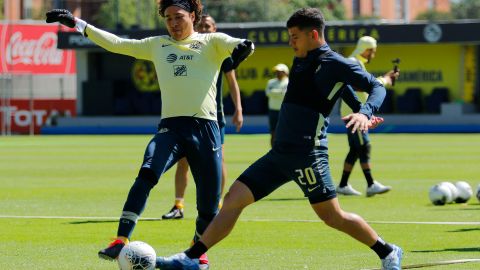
179 203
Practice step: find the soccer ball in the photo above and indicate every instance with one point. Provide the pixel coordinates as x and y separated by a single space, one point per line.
453 191
137 255
440 194
478 193
464 192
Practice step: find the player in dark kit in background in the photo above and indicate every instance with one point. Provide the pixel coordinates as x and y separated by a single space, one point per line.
359 142
300 148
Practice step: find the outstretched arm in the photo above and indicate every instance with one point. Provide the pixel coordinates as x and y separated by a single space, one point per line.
235 95
140 49
241 52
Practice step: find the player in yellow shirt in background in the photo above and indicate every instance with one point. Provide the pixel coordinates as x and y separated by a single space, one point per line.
187 65
275 92
358 141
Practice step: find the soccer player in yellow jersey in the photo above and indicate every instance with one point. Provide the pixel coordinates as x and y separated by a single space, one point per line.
359 142
207 25
187 65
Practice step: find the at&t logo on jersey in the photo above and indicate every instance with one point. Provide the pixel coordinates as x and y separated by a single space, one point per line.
172 58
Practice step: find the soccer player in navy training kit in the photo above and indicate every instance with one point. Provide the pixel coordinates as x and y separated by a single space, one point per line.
300 148
187 65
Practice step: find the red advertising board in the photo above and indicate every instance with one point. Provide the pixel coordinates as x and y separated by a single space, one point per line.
32 48
23 113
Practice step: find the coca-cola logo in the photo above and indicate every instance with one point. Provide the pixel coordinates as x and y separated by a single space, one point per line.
41 51
32 48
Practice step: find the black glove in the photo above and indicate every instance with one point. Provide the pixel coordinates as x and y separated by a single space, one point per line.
62 16
241 52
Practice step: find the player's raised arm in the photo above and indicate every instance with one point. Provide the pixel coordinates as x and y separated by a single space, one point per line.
140 49
355 76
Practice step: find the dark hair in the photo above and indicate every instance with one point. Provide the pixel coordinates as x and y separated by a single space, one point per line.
206 15
189 5
307 18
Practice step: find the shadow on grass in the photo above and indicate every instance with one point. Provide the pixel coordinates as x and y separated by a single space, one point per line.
470 249
466 230
440 208
110 221
284 199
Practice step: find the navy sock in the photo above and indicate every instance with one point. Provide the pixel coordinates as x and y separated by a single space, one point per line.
381 248
368 176
344 180
196 250
136 201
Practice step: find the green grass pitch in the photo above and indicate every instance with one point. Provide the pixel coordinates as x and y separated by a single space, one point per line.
59 196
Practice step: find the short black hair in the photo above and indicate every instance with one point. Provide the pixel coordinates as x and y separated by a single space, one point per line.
194 5
307 18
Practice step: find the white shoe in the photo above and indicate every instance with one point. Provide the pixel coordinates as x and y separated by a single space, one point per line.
177 261
377 188
348 190
394 260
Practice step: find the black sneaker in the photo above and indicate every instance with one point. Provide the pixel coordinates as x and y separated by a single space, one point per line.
112 251
175 213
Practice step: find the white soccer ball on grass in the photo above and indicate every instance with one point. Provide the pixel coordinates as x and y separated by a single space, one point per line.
137 255
453 191
464 192
478 192
440 194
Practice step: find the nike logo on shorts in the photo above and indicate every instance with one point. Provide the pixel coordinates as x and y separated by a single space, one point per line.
216 148
312 189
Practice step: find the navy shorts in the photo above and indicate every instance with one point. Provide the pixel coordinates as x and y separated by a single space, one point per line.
272 119
357 139
199 141
222 135
309 170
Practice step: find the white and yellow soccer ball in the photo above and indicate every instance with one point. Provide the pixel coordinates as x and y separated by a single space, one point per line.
137 255
440 194
464 192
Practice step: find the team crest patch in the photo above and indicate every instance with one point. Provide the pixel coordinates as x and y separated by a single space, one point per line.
179 70
196 45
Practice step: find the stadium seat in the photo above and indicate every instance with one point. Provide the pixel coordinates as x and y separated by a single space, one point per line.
388 105
438 96
411 101
256 104
97 98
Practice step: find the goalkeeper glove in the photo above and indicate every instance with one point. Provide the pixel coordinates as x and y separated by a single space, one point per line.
66 18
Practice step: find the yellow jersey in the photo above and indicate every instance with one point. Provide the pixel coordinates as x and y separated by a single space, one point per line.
187 70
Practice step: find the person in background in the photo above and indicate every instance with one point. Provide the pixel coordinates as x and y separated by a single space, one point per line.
207 25
359 142
275 91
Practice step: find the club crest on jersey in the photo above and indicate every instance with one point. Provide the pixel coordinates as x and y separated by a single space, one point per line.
172 58
196 45
179 70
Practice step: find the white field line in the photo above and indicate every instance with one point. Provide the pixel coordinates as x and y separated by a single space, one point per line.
249 220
